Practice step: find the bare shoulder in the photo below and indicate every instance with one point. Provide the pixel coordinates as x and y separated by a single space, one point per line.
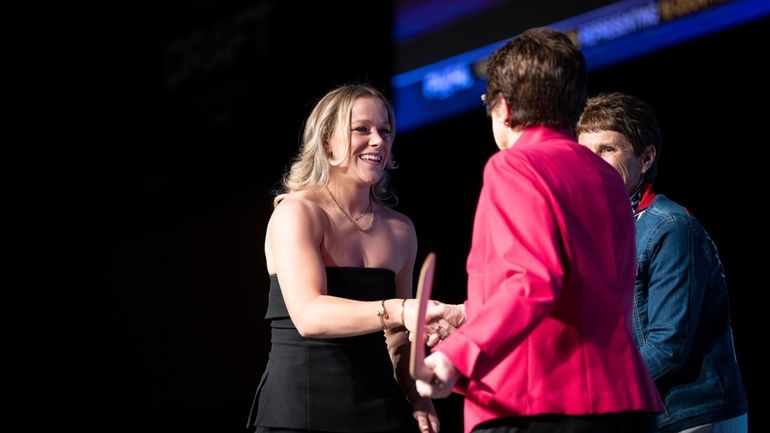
402 238
298 210
398 224
297 224
396 218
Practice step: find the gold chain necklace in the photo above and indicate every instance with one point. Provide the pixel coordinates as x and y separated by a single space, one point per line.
350 218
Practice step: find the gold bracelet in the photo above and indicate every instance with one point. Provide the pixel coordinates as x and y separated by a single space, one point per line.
403 307
383 314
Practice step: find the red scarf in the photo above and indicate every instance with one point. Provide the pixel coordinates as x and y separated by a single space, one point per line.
642 198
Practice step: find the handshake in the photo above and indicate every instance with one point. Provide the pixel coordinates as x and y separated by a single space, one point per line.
433 377
441 320
427 320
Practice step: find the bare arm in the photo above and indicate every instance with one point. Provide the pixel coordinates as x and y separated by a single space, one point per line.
293 249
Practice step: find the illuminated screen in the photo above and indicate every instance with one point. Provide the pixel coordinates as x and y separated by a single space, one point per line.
428 89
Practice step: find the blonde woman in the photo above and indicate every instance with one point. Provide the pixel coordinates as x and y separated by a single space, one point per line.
341 263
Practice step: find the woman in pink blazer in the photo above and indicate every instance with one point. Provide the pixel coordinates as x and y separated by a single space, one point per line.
547 345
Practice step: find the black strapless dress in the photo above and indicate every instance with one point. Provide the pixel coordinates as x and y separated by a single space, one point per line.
331 384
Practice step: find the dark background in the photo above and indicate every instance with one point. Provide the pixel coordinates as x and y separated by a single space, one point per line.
140 147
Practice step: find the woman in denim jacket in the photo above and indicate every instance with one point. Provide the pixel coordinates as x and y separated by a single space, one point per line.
681 311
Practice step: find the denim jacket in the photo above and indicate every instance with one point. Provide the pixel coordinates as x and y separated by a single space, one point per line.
681 317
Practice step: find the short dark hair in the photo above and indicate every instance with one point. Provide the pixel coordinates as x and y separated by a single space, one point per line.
542 75
628 115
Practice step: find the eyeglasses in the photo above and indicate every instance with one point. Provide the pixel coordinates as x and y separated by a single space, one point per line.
485 102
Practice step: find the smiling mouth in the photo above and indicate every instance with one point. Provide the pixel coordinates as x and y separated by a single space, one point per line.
370 157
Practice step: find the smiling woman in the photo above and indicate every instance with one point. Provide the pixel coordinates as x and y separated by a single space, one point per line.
337 284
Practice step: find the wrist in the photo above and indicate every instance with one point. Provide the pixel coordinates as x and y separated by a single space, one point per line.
408 310
391 313
403 309
382 314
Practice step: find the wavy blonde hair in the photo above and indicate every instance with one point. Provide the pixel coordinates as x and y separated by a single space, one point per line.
312 166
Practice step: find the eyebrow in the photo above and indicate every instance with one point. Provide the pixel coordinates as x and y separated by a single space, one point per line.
368 120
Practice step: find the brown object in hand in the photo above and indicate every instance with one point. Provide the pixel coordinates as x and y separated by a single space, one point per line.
417 367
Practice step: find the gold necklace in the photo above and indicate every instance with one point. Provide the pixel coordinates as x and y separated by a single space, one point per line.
350 218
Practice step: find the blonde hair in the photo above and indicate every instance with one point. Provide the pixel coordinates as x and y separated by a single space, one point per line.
312 166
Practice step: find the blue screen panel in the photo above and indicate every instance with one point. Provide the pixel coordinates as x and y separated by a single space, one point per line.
612 34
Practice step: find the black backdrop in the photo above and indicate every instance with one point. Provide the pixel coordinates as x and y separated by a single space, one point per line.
143 142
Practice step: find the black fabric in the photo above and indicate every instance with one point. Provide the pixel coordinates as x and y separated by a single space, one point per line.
621 422
331 384
291 430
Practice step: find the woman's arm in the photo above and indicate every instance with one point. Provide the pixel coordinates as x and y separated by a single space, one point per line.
293 248
676 287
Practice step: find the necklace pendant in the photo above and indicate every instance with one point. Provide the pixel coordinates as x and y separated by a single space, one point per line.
352 220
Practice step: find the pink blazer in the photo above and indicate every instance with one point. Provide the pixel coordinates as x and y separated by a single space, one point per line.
550 288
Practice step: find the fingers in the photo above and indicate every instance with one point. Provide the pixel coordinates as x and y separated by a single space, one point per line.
423 388
433 340
434 423
425 426
423 422
441 330
428 424
444 376
435 333
445 329
425 414
440 319
436 388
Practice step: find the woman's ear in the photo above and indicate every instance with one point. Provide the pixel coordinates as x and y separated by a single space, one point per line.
501 111
648 157
327 150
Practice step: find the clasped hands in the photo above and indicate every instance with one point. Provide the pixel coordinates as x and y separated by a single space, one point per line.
441 320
